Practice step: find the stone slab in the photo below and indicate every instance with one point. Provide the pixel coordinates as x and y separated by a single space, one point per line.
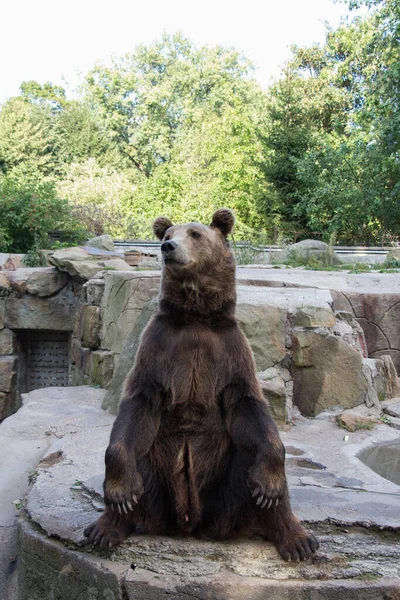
56 313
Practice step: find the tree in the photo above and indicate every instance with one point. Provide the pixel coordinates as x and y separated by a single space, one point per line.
47 94
95 197
146 97
26 138
30 210
335 132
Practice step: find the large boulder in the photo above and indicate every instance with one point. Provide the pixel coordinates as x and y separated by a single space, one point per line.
303 251
56 313
124 296
83 265
326 372
46 281
103 242
113 396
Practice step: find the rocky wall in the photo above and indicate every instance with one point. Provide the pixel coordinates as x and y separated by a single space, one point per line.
111 304
308 353
379 316
30 299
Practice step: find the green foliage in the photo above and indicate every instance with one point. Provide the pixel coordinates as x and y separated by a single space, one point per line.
49 94
391 263
29 212
34 258
96 197
26 139
179 130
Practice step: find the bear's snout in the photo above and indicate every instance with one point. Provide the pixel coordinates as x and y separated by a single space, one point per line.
168 247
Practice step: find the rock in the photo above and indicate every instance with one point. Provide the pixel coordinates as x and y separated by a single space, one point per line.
307 249
113 396
13 262
277 386
82 265
357 418
5 288
102 368
326 372
349 329
103 242
88 329
116 264
8 373
371 398
314 316
124 296
7 342
387 382
94 290
60 258
264 327
392 407
80 367
394 422
275 393
1 313
46 281
57 313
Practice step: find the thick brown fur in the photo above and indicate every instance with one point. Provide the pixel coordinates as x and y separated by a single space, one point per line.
194 449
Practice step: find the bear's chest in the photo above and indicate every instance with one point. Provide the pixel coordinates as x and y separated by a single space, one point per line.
196 370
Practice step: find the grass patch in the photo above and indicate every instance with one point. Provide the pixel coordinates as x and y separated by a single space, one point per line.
356 426
248 255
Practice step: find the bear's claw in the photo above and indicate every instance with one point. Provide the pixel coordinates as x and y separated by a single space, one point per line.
299 549
263 500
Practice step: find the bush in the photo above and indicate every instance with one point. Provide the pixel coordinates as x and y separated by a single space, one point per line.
30 210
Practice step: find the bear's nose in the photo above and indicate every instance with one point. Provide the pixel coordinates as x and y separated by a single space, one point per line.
168 247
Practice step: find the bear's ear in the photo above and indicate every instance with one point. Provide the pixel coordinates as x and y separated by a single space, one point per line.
160 226
224 220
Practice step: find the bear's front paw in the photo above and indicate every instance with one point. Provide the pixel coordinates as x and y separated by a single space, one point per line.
123 495
266 488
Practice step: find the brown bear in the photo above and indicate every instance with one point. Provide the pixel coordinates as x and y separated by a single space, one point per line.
194 449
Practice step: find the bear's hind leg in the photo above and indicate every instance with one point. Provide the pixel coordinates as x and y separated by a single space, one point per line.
109 530
279 525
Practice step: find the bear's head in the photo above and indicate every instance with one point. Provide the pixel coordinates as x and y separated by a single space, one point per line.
199 267
193 247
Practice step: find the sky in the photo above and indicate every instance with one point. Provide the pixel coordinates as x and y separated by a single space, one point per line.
52 41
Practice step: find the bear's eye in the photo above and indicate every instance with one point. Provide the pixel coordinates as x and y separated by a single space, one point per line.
166 238
195 234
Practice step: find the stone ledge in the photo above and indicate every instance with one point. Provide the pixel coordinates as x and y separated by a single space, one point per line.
330 489
161 568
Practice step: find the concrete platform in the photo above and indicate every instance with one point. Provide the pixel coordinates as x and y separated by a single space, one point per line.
353 511
341 281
